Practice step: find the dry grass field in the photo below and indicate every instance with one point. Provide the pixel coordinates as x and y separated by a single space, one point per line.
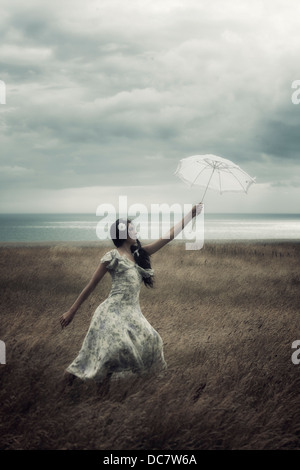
227 314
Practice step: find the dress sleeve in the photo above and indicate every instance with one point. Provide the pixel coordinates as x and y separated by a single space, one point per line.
145 272
110 259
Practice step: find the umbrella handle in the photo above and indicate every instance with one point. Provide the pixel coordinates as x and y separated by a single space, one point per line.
208 183
193 224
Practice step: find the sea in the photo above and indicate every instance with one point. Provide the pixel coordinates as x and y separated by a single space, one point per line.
31 228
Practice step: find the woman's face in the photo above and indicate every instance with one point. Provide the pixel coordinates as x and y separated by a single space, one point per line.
132 233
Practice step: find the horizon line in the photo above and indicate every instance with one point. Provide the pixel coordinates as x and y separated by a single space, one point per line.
160 212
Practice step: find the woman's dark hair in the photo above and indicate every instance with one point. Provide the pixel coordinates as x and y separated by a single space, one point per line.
141 256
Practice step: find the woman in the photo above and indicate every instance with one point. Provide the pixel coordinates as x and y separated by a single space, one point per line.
119 338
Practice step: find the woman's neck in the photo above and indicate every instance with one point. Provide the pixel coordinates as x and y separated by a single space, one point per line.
126 246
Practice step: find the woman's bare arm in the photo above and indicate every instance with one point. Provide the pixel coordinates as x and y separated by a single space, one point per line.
173 232
67 317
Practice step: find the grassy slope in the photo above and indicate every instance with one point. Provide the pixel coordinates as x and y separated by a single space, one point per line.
228 315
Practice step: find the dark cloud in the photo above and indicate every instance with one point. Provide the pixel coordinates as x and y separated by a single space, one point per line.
113 92
281 140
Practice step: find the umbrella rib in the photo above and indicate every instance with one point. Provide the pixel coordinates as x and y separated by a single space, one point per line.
205 168
242 171
236 179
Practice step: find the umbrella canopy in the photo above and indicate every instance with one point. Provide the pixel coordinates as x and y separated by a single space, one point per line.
211 171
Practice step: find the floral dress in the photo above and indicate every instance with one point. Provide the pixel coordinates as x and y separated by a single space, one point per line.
120 338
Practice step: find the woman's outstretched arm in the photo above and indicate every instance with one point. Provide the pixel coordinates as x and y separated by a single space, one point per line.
68 316
174 231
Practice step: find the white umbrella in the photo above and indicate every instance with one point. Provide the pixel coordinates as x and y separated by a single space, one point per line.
211 171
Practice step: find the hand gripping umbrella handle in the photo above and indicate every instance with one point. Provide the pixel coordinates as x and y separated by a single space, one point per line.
194 218
204 194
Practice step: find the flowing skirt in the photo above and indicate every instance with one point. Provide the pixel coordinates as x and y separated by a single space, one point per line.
119 340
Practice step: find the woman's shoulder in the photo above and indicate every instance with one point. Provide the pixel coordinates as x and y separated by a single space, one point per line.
109 258
109 254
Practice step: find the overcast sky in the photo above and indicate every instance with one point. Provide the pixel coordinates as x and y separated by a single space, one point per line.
103 98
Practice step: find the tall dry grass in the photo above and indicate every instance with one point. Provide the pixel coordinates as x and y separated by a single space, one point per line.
228 315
